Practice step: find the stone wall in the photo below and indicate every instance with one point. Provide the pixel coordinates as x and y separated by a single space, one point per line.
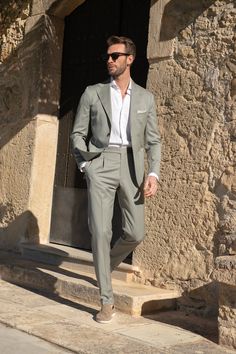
192 74
29 95
17 136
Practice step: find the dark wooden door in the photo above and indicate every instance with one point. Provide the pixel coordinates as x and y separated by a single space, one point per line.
86 31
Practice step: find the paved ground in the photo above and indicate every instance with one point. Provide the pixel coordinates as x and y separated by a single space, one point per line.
72 328
14 341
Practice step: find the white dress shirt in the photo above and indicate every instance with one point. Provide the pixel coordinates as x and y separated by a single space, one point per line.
120 124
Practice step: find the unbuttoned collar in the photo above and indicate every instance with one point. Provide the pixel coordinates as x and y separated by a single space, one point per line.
115 86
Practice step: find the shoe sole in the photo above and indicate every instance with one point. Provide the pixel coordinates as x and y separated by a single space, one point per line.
104 321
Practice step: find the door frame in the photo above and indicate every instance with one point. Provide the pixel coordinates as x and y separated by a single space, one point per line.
48 20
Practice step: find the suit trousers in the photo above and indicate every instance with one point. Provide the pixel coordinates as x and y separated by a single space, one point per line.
110 173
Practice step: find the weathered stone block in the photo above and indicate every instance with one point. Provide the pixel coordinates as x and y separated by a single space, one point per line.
42 176
15 159
61 8
225 273
227 336
225 270
158 48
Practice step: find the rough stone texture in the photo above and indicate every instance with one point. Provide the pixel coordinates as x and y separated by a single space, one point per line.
225 270
12 25
225 274
194 211
227 315
15 187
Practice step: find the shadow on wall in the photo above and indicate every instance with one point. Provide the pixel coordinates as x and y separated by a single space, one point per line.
20 229
178 14
25 89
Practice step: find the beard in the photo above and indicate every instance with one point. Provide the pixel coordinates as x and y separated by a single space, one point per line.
116 71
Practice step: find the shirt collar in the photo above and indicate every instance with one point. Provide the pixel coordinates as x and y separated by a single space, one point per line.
114 85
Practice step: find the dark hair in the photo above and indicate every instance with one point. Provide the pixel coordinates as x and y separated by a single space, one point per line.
129 44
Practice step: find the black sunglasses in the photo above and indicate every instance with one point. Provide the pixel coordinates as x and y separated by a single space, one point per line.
114 56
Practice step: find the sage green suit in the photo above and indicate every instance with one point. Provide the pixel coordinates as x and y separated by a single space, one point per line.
115 170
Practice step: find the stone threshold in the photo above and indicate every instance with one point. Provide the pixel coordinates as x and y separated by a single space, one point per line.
131 298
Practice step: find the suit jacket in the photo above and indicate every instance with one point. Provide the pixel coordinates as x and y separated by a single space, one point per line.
92 127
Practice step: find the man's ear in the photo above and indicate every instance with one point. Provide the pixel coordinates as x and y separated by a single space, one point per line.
130 60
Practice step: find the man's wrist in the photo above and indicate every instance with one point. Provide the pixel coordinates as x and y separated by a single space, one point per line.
153 174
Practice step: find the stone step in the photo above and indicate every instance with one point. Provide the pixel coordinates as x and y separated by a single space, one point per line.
131 298
72 259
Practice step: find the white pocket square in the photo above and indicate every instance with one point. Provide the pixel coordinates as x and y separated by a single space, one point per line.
141 111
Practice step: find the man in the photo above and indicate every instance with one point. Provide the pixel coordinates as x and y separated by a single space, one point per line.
114 124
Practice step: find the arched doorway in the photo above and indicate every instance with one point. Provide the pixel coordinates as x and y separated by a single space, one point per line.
86 31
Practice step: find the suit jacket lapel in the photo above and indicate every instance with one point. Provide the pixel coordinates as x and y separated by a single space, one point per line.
105 98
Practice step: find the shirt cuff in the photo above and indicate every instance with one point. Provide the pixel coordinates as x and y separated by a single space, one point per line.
82 165
154 175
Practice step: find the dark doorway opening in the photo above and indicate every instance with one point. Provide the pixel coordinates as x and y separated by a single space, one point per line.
86 31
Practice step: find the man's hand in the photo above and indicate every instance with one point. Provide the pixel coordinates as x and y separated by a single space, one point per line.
150 186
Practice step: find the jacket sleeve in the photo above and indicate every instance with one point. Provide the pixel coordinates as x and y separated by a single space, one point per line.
153 139
81 129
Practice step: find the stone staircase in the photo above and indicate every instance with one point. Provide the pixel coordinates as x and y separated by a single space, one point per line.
69 273
73 259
